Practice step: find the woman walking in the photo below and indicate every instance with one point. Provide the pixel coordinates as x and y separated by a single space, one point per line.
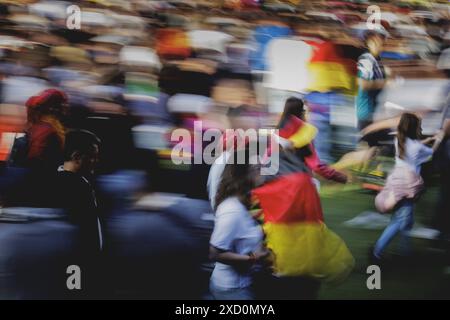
237 240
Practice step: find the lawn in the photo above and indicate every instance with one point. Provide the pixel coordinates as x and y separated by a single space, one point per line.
422 277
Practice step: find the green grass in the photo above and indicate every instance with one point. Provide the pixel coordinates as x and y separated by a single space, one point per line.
421 278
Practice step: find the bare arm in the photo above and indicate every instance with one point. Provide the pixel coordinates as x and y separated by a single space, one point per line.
437 140
228 257
314 163
427 140
238 260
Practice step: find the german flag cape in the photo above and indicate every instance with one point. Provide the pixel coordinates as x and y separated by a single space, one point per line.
293 221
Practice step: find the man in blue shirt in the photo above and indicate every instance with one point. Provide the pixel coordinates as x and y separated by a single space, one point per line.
371 78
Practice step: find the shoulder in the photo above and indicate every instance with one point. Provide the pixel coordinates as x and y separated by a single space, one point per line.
222 159
413 143
366 60
289 126
365 66
230 206
218 166
71 181
417 146
366 56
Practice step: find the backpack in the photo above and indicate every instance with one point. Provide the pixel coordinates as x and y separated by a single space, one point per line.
19 152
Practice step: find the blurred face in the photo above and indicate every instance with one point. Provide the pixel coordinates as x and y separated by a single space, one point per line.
89 162
375 45
244 122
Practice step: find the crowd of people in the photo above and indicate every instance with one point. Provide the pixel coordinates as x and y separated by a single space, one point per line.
87 118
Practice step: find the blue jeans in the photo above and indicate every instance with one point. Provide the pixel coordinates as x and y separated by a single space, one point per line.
401 222
231 294
322 142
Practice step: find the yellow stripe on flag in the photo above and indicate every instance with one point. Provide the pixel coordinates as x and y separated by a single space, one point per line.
309 249
304 136
328 76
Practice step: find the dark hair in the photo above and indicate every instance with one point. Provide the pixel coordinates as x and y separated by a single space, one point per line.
408 127
81 141
236 179
293 107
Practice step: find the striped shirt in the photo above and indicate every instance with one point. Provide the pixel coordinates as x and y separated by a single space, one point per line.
370 69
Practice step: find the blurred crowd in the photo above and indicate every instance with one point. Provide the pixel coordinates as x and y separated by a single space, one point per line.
137 70
130 57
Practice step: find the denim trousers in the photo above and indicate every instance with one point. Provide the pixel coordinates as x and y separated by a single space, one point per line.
401 223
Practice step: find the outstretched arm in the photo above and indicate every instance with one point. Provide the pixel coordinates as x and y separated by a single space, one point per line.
322 169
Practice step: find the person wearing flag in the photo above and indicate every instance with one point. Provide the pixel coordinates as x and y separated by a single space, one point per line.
305 250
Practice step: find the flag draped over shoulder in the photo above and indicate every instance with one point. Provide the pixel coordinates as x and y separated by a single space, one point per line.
292 216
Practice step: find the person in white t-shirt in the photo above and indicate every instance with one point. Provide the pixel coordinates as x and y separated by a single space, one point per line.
240 119
411 152
236 243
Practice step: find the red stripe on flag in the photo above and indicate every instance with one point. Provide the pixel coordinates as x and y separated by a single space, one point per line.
290 198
